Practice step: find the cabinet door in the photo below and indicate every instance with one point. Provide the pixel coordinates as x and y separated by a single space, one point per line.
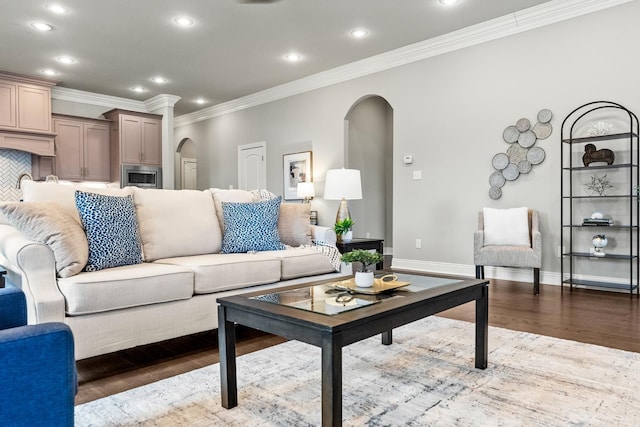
69 149
8 105
151 142
97 153
34 108
130 139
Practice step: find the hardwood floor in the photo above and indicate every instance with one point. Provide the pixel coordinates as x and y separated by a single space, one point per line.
603 318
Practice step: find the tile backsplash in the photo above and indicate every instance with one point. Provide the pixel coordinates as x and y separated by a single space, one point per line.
13 163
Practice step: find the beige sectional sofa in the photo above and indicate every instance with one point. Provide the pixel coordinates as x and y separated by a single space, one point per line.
173 291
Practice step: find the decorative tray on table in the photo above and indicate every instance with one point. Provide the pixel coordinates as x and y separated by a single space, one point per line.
385 283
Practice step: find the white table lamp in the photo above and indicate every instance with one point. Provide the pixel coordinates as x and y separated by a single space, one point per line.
343 184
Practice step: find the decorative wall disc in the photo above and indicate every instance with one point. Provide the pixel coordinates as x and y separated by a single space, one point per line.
516 153
523 125
496 179
527 139
511 134
535 155
544 115
500 161
524 166
510 173
495 193
542 130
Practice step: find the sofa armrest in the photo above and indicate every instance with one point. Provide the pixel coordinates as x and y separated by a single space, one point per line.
13 308
322 234
37 375
31 266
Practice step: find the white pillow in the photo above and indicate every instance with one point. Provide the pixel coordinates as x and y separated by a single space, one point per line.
506 227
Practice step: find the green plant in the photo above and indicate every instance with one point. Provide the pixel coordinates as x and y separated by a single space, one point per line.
342 227
364 257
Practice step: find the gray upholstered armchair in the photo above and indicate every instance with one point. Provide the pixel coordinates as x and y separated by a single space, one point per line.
509 255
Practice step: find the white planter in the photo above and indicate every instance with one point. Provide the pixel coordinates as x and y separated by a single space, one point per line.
346 237
364 279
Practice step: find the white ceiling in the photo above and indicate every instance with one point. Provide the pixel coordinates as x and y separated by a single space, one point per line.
233 49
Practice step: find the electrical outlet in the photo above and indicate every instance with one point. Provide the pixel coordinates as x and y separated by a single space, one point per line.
418 243
417 175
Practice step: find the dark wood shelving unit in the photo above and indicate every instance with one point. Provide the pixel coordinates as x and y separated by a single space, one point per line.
576 205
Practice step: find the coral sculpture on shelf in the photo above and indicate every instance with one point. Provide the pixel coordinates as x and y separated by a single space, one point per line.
599 185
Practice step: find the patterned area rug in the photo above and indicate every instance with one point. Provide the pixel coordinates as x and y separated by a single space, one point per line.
426 378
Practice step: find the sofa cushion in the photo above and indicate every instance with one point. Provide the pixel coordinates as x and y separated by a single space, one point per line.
64 194
111 227
177 223
301 262
235 196
221 272
294 225
46 223
122 287
251 226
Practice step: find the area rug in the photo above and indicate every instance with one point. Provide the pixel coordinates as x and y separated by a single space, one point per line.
426 378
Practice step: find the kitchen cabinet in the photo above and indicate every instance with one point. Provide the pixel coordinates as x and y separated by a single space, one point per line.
136 137
25 103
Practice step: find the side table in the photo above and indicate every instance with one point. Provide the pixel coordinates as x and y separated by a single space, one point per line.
367 244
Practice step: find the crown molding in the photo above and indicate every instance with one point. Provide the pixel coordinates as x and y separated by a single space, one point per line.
161 101
74 95
527 19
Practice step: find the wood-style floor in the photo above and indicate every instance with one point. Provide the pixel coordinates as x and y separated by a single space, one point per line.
596 317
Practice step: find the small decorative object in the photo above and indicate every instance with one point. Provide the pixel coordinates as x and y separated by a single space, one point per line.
343 230
313 217
591 155
597 215
599 241
363 278
599 185
296 168
599 128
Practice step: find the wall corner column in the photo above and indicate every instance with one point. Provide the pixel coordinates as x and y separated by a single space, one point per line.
163 104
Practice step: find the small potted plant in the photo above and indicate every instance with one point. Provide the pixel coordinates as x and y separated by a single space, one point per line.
343 229
364 278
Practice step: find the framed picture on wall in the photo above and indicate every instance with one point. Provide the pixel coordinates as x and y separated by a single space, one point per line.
296 168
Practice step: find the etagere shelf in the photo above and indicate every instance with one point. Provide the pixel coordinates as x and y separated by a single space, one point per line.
617 267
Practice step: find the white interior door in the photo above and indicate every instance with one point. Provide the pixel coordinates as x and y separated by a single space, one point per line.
189 174
252 172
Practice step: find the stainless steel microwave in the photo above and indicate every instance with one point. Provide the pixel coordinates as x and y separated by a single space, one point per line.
141 176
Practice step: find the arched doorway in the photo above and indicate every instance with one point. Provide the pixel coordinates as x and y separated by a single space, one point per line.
187 165
369 148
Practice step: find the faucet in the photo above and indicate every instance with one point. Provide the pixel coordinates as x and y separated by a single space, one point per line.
21 177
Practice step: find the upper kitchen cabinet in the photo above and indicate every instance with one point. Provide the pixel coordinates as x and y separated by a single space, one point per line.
25 103
136 138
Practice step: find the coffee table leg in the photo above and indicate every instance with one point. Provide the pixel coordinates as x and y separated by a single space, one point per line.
331 381
482 328
387 337
227 348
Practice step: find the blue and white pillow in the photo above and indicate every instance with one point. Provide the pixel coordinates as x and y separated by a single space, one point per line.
111 226
251 226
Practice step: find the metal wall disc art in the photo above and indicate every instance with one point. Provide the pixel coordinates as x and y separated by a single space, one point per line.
521 157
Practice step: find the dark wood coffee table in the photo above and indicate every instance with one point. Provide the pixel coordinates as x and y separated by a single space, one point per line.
289 314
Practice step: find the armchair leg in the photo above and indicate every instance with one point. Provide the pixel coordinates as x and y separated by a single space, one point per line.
479 271
536 281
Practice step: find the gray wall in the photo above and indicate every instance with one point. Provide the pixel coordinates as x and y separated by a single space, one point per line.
449 113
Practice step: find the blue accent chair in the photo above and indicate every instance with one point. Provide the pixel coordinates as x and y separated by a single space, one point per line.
38 380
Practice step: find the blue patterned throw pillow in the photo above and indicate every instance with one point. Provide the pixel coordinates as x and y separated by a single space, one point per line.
251 226
111 226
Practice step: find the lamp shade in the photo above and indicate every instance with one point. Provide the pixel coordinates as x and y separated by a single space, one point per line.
305 189
343 184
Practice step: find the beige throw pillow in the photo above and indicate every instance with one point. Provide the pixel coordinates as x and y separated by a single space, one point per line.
48 223
293 224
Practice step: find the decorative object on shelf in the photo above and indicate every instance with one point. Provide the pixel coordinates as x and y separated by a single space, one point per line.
593 155
343 229
363 278
599 241
343 184
599 129
306 191
523 153
297 167
599 185
313 217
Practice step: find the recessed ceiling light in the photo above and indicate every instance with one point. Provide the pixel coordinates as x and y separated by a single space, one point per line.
200 101
359 33
448 2
57 8
293 57
138 89
183 21
159 80
66 60
49 72
41 26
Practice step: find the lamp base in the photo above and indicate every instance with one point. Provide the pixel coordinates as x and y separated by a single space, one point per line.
343 211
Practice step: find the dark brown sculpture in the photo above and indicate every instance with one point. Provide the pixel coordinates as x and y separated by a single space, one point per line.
592 155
